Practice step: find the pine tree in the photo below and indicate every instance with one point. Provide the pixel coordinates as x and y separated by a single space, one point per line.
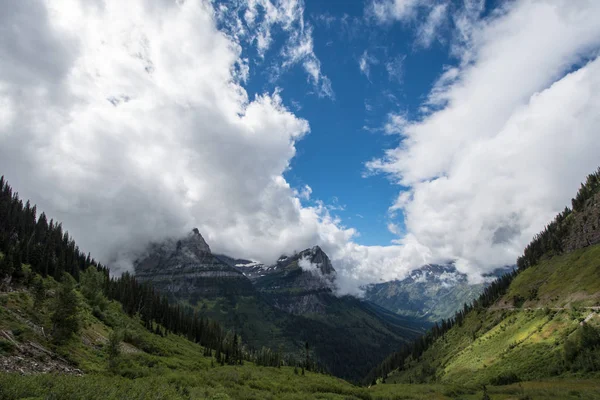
6 266
39 292
307 357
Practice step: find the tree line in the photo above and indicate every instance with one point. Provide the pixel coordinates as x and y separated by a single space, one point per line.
550 241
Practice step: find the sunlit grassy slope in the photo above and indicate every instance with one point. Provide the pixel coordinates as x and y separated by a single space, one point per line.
522 337
571 279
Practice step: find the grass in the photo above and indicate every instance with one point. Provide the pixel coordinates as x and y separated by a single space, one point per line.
250 383
565 280
526 342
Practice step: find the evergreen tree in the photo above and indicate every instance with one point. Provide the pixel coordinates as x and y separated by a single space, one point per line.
113 349
39 292
65 315
6 266
486 396
91 284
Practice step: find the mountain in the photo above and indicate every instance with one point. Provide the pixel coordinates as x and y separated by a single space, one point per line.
300 284
284 305
432 292
541 321
186 269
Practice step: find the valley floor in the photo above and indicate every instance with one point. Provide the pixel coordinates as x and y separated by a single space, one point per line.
250 382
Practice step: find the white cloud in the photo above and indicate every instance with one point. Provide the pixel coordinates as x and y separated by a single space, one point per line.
254 22
395 69
432 18
135 128
304 193
427 32
395 124
386 11
364 63
509 138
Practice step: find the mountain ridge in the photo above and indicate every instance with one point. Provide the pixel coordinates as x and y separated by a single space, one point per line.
287 304
433 292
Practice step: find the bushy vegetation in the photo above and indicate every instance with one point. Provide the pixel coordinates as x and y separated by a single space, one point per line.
582 349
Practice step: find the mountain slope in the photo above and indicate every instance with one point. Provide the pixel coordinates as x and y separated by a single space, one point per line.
540 322
524 335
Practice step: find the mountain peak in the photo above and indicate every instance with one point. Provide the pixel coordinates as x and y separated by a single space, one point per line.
197 242
316 256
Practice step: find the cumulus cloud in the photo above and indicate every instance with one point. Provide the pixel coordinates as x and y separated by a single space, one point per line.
512 133
136 128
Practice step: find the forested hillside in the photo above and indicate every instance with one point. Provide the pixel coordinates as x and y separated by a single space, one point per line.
540 321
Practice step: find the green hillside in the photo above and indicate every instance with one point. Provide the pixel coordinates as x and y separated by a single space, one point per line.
542 322
166 365
523 339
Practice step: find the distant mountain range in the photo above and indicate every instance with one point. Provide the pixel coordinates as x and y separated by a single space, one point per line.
432 292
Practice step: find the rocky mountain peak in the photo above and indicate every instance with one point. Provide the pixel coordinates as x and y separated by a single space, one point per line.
197 242
316 257
186 268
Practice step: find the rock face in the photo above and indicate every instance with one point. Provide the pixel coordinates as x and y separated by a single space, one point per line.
186 269
432 292
299 284
584 229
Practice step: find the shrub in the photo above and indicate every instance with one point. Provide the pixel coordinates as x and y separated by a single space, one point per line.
505 378
6 347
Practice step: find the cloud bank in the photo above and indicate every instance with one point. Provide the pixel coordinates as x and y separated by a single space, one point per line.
505 138
136 128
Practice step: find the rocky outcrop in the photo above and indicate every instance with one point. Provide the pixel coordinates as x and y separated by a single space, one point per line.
186 269
584 226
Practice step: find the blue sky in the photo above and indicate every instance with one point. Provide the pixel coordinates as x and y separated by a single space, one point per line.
346 131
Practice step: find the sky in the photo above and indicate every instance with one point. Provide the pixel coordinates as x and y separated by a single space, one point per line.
392 133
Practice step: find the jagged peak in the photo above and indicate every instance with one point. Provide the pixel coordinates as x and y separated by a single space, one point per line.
195 239
317 256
